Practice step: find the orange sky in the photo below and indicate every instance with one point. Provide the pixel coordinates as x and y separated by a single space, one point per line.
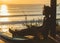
26 1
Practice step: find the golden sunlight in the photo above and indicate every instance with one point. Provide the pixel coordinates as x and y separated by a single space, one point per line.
4 28
4 12
25 1
4 19
5 1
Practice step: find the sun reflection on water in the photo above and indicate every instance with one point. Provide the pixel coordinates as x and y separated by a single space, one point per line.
4 28
4 12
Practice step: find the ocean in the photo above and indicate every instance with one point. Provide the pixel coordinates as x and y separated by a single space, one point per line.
15 10
19 9
26 9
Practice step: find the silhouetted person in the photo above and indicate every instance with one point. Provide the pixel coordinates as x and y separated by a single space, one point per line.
46 27
46 21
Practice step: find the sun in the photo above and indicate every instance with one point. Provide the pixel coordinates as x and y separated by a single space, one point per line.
4 12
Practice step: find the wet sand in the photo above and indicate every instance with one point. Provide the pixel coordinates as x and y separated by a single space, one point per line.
3 41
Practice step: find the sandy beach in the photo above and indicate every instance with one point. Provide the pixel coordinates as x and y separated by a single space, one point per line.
3 41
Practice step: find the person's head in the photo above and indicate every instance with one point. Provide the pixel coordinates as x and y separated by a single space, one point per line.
46 10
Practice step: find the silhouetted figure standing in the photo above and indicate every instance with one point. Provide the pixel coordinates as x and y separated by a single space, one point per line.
46 21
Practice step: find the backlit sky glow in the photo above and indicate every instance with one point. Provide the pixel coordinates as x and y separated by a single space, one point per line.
26 1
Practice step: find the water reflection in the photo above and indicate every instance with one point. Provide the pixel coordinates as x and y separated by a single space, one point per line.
4 19
5 9
4 12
